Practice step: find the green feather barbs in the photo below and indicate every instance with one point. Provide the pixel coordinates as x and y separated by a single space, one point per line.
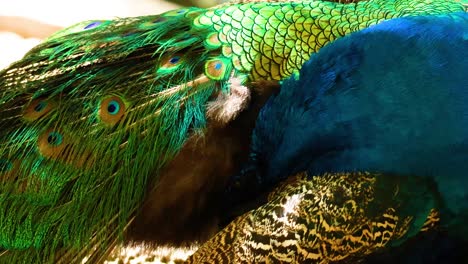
177 12
5 166
94 25
153 23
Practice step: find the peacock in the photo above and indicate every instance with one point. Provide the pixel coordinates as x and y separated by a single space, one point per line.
374 134
130 129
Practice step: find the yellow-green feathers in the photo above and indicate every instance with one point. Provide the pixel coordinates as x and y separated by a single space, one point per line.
272 40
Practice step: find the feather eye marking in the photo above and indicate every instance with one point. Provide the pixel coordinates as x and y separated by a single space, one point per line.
112 110
51 143
38 108
170 64
93 25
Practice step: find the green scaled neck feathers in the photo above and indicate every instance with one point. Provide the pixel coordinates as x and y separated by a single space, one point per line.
272 40
90 116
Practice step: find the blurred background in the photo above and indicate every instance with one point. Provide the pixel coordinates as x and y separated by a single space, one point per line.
23 23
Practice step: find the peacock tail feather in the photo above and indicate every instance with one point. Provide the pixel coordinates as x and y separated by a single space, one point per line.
90 116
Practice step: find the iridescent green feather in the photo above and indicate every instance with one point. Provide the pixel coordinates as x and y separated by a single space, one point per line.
91 115
273 40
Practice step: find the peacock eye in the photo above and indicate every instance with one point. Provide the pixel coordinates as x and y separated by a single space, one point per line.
170 64
54 138
40 106
217 69
185 37
51 143
174 60
113 107
37 108
152 23
93 25
177 12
